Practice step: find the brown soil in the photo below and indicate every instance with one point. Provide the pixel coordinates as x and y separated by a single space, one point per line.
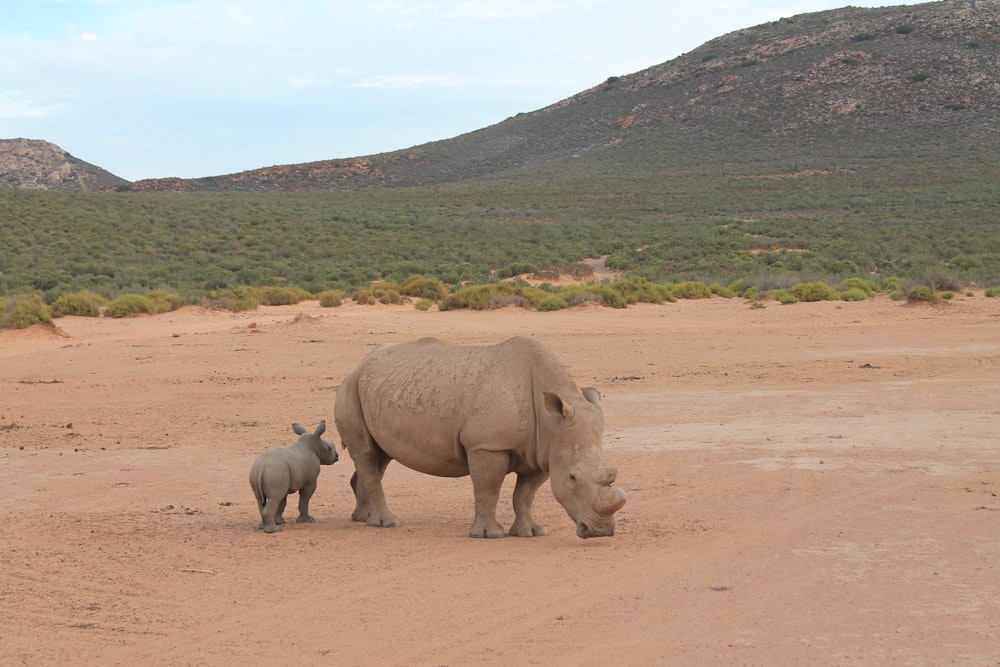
809 484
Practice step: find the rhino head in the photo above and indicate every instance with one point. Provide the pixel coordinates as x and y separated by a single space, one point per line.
580 481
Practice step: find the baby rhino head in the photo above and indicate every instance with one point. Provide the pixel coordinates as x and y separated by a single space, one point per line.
324 449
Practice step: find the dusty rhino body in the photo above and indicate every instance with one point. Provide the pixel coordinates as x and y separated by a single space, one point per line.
452 410
279 472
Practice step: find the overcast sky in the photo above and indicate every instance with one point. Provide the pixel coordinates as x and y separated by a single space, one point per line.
153 88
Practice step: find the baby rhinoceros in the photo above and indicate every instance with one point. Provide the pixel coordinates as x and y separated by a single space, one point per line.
279 472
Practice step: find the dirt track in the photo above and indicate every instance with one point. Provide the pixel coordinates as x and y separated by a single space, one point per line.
809 484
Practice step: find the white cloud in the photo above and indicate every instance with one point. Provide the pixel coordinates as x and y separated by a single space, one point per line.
88 36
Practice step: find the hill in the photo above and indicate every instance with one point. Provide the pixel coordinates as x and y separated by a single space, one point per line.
851 143
40 165
909 81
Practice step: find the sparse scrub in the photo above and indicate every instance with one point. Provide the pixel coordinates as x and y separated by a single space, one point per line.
424 288
332 298
423 304
164 301
552 302
84 304
921 294
242 298
692 290
722 291
783 296
939 279
130 305
867 286
854 294
992 291
476 297
24 310
814 291
385 293
283 296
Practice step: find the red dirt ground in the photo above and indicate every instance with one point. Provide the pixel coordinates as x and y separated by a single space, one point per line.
808 484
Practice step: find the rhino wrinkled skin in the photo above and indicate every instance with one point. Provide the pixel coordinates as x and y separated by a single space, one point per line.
483 411
279 472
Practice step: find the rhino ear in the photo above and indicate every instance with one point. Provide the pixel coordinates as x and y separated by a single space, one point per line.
593 396
321 429
556 406
298 429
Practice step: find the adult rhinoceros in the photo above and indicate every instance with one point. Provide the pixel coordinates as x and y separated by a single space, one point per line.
453 410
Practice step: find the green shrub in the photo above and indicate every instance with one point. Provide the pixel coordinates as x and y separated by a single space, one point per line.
752 292
331 298
283 296
992 291
164 301
867 286
692 290
921 294
552 302
719 290
783 296
947 296
424 288
423 304
384 293
892 284
904 29
130 305
854 294
814 291
23 310
244 298
897 294
84 304
640 290
389 297
920 76
757 305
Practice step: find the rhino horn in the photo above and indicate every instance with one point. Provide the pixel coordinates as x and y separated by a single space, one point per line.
610 501
605 476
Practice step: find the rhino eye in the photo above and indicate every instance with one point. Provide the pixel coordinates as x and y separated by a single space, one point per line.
572 477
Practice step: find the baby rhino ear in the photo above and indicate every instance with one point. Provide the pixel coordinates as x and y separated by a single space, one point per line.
556 406
593 396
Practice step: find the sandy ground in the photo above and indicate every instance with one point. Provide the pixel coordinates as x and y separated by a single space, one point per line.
814 484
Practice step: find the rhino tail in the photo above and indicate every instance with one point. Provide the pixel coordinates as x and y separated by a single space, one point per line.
257 484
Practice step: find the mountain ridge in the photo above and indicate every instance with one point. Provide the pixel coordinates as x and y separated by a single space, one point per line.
888 80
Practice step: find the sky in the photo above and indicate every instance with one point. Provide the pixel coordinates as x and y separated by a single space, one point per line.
154 88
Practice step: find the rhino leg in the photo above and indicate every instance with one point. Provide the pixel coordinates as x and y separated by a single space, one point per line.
487 470
366 482
305 493
270 515
524 497
279 517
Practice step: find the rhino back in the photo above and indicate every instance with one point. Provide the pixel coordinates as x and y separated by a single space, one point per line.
425 402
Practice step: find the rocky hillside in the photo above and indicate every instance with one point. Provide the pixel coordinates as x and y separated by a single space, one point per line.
912 81
852 80
39 165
